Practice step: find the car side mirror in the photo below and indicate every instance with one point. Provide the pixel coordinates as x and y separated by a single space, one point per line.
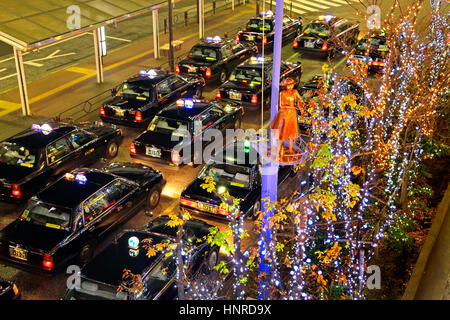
113 92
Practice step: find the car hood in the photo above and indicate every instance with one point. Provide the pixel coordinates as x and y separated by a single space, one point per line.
157 139
194 191
13 174
32 236
98 129
125 103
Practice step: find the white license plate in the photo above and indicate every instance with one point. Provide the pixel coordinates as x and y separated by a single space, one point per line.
120 112
206 207
192 69
250 38
309 44
236 96
18 253
153 152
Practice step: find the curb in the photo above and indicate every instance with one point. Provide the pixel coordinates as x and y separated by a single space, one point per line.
422 262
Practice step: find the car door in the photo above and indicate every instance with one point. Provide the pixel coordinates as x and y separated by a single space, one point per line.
163 91
288 28
180 89
108 206
228 57
85 150
58 156
240 52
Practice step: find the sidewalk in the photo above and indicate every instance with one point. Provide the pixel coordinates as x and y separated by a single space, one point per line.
65 88
431 276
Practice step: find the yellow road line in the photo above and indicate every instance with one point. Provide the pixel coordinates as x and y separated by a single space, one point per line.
89 73
8 107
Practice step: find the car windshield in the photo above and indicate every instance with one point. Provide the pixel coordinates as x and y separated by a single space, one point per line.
317 28
16 155
246 75
168 126
256 25
201 53
135 89
47 215
233 175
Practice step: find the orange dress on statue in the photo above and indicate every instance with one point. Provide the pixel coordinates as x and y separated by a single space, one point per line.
286 119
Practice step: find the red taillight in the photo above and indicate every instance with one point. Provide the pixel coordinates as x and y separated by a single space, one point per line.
16 192
237 37
218 95
177 69
254 99
265 40
47 262
133 149
138 116
188 203
324 46
378 63
102 111
295 45
208 73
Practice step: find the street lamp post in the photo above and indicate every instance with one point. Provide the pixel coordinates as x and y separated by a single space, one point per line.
171 57
269 186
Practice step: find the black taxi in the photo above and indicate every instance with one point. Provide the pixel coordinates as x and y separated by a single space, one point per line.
136 101
103 277
371 51
327 36
215 59
66 219
31 158
237 169
248 85
175 132
261 30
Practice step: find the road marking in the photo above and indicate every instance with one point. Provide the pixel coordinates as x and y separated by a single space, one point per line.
4 69
8 76
120 39
8 107
52 55
81 70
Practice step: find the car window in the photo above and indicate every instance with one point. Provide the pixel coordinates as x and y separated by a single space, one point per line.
105 198
237 48
201 53
134 89
13 154
177 83
226 51
57 150
159 276
163 88
79 138
341 26
47 215
208 118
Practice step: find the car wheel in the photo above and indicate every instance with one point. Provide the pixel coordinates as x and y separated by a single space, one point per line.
223 76
212 260
86 253
153 198
112 149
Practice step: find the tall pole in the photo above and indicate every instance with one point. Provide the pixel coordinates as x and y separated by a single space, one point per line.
171 57
155 33
269 186
22 82
201 25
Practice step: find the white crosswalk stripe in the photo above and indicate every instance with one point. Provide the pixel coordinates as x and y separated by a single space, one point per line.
306 6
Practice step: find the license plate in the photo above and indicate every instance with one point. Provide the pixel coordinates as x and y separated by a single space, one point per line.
250 38
153 152
207 208
309 44
236 96
120 112
192 69
304 120
18 253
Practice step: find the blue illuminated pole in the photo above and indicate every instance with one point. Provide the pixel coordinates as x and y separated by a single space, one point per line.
269 186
